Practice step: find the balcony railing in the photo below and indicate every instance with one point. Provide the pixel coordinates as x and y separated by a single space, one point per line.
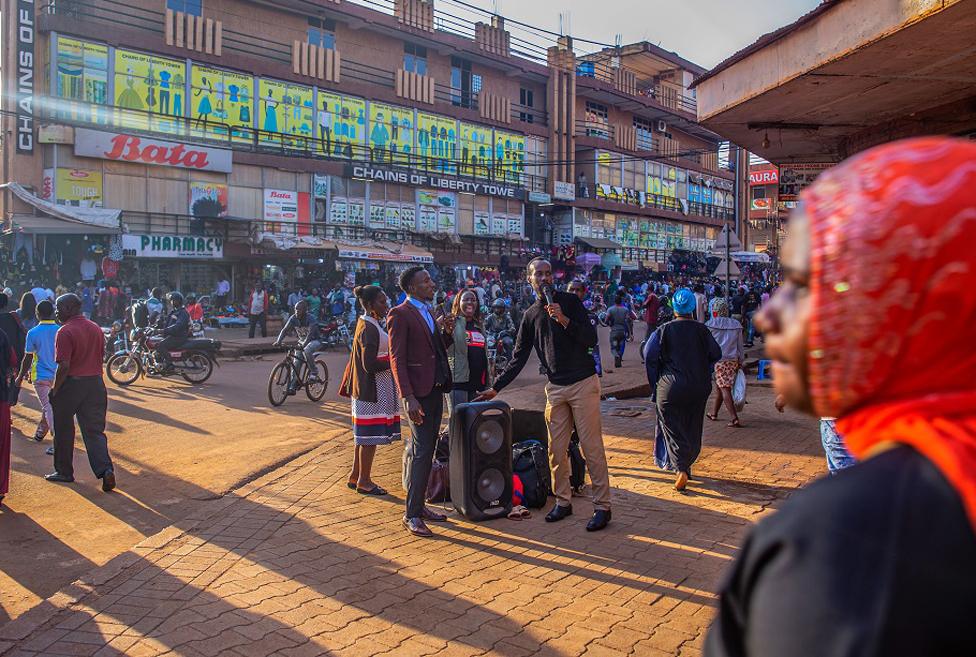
634 198
595 129
253 140
665 94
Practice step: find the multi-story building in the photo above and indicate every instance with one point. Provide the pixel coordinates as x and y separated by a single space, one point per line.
190 140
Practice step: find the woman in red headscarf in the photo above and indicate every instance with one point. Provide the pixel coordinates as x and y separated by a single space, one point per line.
874 325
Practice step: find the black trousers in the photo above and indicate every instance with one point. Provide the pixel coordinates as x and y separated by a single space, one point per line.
252 321
418 453
83 397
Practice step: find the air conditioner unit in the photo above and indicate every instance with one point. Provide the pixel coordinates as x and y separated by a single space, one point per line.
662 126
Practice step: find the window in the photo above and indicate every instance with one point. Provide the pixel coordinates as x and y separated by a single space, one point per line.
525 100
597 120
414 59
758 192
645 134
321 33
464 85
192 7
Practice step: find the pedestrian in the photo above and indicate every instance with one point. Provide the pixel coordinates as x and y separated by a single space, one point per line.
368 381
314 304
881 558
750 304
257 310
418 358
26 312
728 334
619 318
39 364
701 304
467 353
651 305
8 368
221 293
79 391
679 358
562 336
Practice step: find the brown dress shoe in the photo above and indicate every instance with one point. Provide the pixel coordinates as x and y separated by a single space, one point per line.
681 481
433 516
417 527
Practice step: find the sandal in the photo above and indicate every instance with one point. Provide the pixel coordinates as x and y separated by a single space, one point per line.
519 512
735 424
351 485
711 417
375 490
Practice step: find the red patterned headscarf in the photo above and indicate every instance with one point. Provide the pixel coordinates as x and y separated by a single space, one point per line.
892 343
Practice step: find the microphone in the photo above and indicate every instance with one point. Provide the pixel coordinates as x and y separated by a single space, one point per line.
547 293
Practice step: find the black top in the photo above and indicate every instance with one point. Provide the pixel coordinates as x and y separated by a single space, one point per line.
751 302
572 344
477 359
736 305
876 561
14 330
177 323
679 358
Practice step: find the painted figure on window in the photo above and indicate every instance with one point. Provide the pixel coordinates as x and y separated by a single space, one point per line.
204 108
177 95
270 113
164 77
129 98
379 137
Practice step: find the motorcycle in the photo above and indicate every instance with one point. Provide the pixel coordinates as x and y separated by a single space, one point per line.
335 333
194 360
498 358
115 340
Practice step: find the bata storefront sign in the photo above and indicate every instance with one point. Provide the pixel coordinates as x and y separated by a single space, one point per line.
437 181
146 150
172 246
764 177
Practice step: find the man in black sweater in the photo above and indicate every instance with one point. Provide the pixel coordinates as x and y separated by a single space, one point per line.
563 336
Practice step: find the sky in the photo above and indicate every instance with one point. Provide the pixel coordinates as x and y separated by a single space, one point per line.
703 31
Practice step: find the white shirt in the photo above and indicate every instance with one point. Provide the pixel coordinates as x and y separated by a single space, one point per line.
257 303
223 287
41 294
88 269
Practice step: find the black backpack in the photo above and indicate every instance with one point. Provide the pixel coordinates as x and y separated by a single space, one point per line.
530 462
577 473
139 315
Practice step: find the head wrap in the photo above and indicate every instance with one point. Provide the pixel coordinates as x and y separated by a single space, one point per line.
684 302
891 230
720 307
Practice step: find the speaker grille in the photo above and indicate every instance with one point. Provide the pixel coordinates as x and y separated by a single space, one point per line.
491 485
490 437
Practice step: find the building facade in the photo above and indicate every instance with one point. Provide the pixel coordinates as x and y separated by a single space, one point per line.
186 141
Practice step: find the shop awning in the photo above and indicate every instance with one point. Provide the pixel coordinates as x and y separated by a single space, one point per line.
288 242
611 260
61 219
599 243
385 251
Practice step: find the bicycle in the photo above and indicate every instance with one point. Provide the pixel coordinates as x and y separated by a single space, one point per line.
294 367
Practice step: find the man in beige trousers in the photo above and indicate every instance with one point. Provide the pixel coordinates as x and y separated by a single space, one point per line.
558 327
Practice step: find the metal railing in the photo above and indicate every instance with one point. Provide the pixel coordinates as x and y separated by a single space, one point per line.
605 70
635 198
596 129
324 147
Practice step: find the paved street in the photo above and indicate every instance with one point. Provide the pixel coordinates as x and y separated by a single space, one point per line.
294 563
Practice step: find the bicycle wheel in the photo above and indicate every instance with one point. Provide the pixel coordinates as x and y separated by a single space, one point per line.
278 384
123 369
315 391
198 368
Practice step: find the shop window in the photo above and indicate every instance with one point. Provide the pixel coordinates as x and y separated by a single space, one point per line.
464 84
758 192
526 100
321 33
414 59
82 76
192 7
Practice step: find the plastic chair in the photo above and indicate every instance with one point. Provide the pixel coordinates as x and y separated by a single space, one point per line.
762 373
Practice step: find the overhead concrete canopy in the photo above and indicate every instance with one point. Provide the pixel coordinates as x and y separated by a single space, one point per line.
848 75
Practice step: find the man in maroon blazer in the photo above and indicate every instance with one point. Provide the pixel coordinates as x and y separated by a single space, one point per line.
418 359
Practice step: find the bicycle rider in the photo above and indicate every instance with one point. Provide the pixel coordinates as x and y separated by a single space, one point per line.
306 327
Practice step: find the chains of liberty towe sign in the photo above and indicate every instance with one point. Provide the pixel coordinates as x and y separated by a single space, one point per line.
172 246
435 180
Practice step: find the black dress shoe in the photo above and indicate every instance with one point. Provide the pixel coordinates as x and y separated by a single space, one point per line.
559 512
108 481
599 520
59 478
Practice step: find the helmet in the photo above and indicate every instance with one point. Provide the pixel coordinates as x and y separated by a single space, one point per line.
175 298
498 303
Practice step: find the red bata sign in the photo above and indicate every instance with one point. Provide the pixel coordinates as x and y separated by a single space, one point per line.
146 150
764 177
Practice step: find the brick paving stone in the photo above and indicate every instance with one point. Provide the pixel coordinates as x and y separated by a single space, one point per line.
296 565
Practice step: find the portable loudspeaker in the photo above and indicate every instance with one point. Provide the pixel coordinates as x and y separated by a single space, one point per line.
481 460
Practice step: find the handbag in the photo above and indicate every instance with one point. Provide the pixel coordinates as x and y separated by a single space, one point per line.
439 483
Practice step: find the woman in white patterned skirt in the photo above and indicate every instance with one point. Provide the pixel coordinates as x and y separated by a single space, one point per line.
369 383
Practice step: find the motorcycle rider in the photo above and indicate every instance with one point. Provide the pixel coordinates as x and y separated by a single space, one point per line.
499 322
306 327
175 329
